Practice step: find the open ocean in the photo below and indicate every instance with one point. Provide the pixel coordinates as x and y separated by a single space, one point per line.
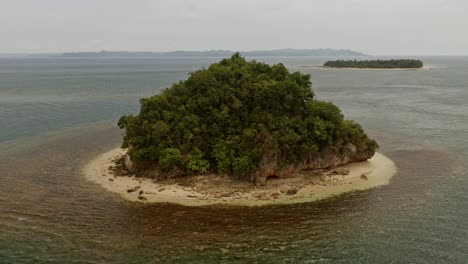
56 114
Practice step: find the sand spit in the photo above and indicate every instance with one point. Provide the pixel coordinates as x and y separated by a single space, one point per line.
218 190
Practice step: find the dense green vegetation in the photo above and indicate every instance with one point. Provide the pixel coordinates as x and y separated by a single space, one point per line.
378 64
224 118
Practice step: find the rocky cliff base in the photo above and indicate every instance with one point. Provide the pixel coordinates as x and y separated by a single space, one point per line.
330 157
303 186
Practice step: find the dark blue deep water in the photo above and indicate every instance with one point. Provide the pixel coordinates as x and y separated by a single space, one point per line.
56 114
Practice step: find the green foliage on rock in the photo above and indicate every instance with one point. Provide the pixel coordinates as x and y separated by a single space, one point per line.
377 64
197 163
226 118
170 158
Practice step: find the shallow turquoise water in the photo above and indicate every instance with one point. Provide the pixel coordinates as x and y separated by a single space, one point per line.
56 114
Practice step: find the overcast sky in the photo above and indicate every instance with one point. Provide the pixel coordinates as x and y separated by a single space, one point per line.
378 27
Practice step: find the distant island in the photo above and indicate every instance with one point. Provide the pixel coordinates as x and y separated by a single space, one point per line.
375 64
219 53
228 130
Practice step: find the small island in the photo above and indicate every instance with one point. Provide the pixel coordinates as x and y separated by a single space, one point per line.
239 133
375 64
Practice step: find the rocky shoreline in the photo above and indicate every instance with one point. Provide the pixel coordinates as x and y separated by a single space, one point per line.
202 190
329 157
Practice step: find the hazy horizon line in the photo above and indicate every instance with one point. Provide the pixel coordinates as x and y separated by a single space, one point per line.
230 50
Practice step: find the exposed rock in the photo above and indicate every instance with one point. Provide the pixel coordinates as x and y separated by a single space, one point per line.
192 196
284 188
315 173
110 179
275 195
128 162
268 166
259 196
134 189
329 157
141 192
224 250
292 191
364 177
142 198
201 248
161 189
339 171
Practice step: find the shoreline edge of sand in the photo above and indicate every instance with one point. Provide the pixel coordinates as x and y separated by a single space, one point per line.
362 175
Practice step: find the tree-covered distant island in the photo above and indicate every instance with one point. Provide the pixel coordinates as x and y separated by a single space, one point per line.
245 119
216 53
376 64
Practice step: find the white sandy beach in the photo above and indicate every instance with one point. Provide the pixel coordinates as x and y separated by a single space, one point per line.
217 190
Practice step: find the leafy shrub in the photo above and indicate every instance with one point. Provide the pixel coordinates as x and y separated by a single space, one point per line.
241 166
196 162
170 158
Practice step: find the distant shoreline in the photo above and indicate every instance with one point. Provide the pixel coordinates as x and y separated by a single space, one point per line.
387 64
222 53
196 54
217 190
357 68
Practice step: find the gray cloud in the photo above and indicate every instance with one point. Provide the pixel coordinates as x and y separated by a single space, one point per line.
373 26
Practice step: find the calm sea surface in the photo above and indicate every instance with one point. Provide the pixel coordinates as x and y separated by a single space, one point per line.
57 114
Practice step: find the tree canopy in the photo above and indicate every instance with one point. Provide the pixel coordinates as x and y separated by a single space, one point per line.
223 119
378 64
